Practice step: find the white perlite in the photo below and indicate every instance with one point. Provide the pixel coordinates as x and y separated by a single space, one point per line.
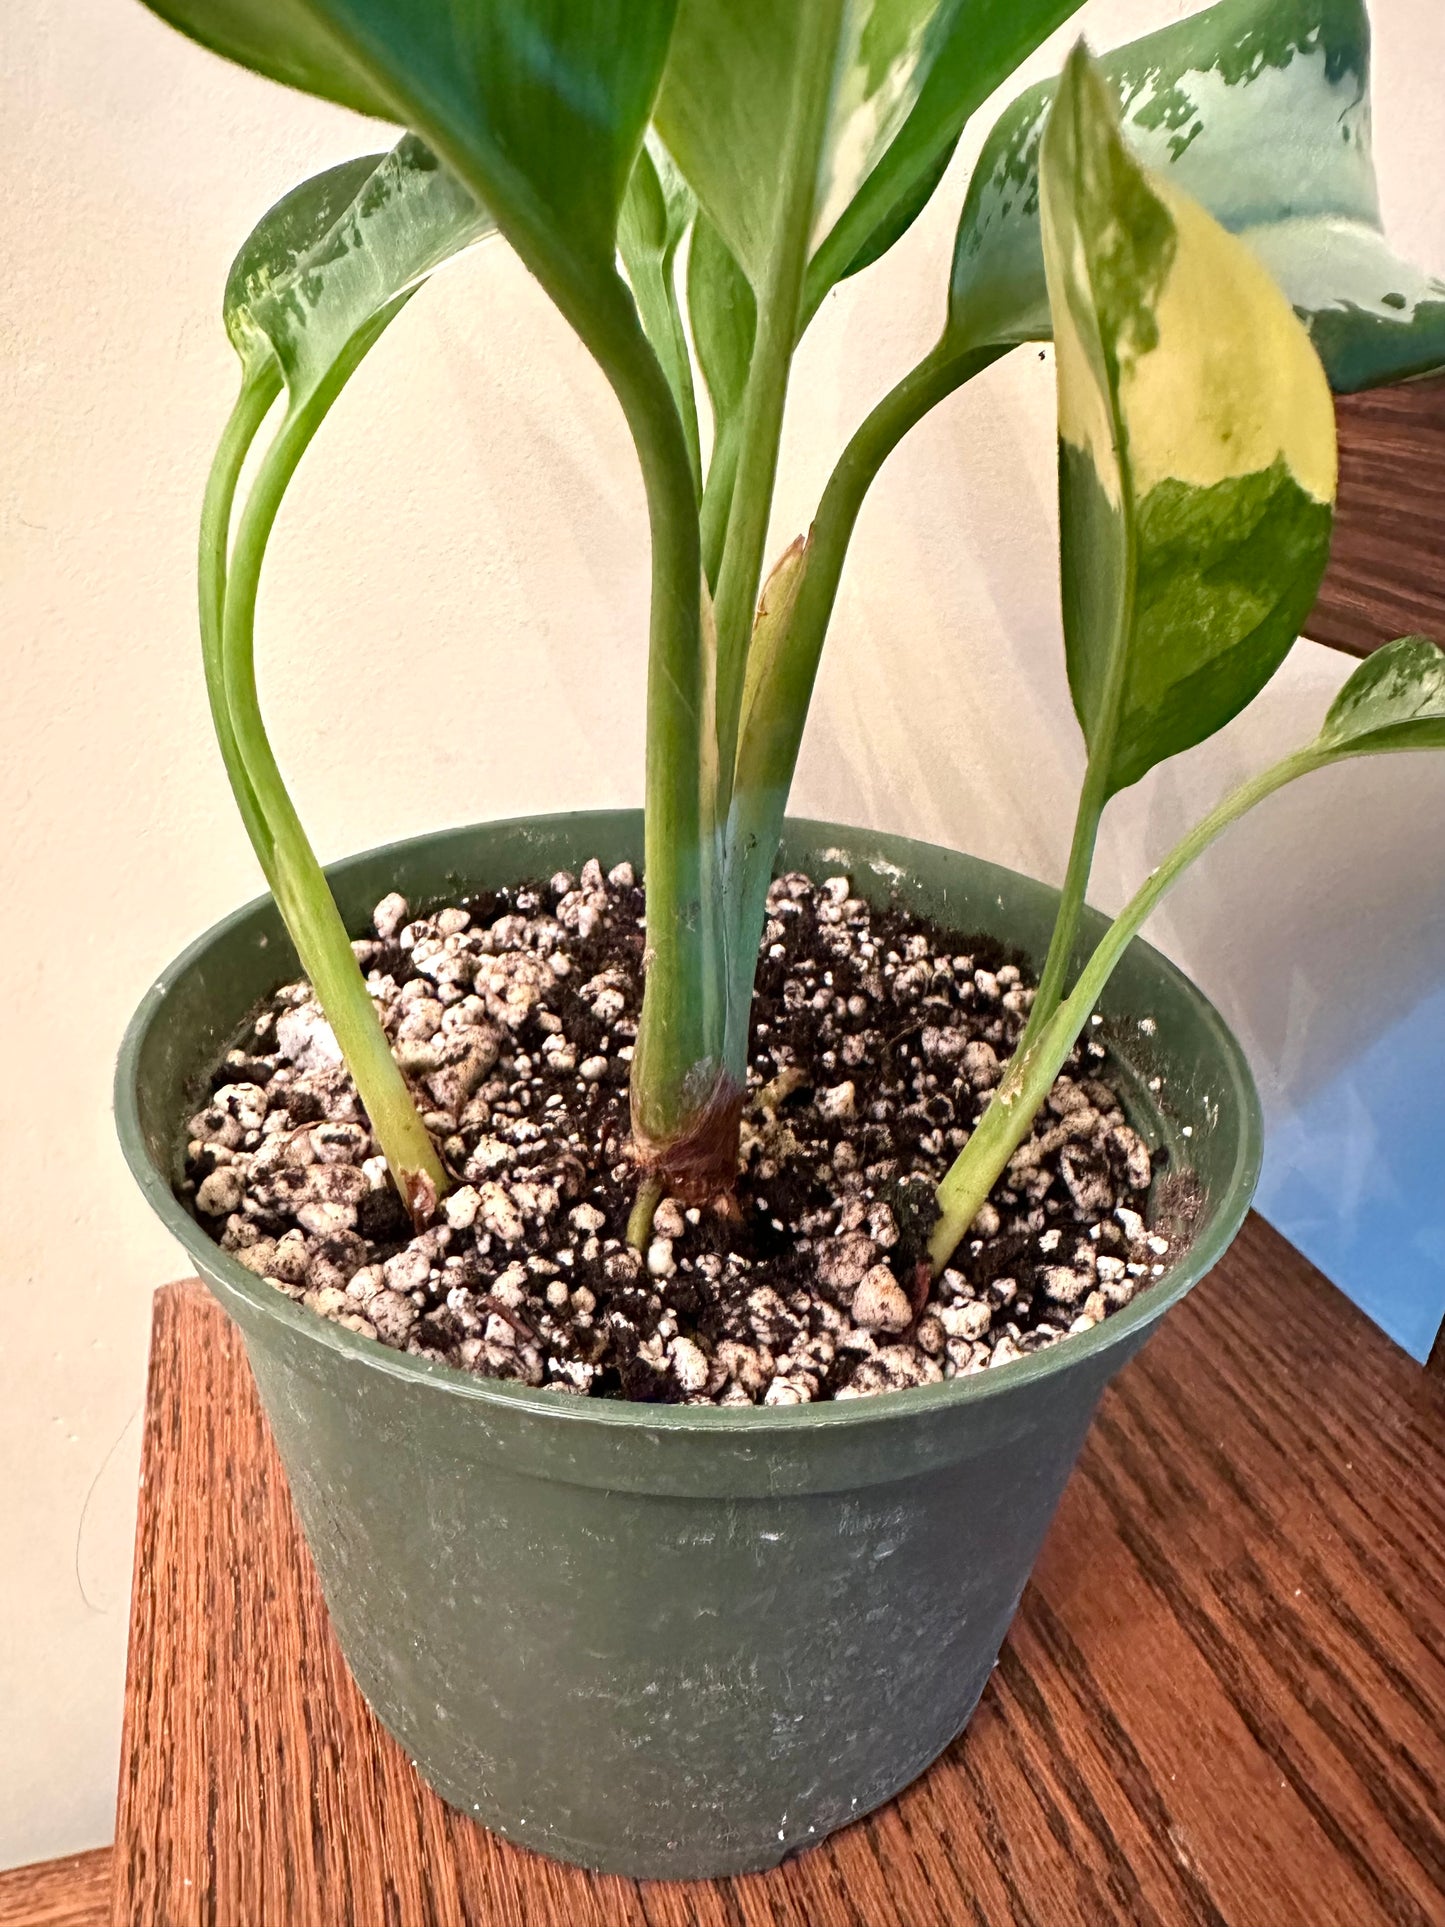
880 1302
869 1068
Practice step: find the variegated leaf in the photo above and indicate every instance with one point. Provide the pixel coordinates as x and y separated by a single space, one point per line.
726 106
539 108
341 252
905 75
1260 110
1394 700
973 48
885 51
1196 448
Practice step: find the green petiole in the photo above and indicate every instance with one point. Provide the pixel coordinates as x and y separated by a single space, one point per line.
259 390
228 603
1030 1075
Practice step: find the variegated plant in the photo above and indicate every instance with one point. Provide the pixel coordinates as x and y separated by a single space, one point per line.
687 179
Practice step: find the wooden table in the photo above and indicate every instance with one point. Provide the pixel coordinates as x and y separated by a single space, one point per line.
1222 1702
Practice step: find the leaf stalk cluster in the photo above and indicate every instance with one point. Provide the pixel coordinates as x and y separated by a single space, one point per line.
754 156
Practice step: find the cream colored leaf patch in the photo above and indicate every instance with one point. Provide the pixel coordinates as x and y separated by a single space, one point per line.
882 64
1232 384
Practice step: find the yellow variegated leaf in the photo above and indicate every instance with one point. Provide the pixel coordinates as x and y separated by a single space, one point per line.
1196 448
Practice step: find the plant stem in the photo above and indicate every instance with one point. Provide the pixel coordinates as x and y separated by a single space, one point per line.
297 880
678 1060
259 388
779 299
679 1085
717 497
775 724
1092 798
1101 731
771 733
1031 1073
686 1096
677 1067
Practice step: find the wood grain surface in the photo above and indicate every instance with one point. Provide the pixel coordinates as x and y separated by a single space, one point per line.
73 1892
1222 1704
1387 563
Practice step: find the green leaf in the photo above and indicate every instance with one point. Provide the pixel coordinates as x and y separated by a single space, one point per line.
656 214
340 252
539 106
905 76
1394 700
1260 110
972 47
724 318
1372 317
317 280
286 231
657 211
1196 449
727 104
728 94
751 134
285 41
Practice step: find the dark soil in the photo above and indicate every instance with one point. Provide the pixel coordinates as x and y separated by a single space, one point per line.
877 1039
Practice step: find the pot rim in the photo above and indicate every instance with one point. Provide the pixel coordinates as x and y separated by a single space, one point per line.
1214 1238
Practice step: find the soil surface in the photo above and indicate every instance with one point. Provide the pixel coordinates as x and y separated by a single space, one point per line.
877 1039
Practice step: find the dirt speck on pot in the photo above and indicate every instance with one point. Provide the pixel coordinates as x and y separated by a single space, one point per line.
877 1038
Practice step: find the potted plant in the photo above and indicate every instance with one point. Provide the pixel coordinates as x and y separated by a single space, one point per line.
799 1126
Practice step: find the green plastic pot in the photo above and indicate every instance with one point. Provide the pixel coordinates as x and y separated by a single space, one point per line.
676 1641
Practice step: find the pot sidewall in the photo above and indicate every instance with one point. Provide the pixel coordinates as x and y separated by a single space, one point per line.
673 1641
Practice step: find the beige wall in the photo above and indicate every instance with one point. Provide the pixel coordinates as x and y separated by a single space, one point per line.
452 628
